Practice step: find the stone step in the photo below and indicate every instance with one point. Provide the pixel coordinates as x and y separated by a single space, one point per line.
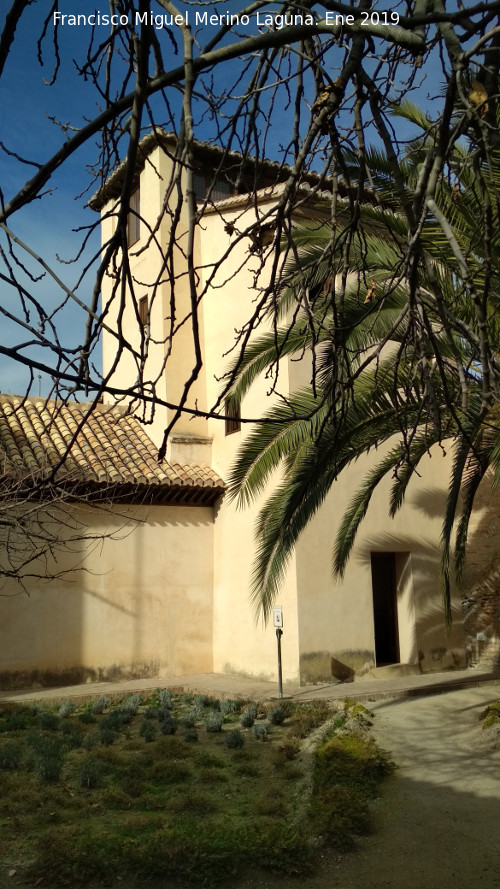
391 671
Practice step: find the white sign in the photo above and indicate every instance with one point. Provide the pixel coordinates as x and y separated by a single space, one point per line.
278 617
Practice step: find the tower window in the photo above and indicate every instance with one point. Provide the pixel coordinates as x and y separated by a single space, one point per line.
134 218
143 312
233 417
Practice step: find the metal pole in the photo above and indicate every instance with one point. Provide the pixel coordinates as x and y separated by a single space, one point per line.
279 634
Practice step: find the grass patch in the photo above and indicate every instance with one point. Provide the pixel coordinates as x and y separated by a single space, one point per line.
103 791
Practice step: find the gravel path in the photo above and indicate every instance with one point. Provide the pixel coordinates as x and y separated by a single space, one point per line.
438 821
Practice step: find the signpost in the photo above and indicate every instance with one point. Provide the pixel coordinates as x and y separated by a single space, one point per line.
278 623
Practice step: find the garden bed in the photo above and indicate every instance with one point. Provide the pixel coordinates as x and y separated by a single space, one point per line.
180 786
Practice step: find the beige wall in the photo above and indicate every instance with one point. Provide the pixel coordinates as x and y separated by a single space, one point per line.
142 605
241 643
325 620
336 616
482 579
147 259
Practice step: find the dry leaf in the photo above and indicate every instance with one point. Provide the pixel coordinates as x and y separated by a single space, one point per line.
478 96
371 293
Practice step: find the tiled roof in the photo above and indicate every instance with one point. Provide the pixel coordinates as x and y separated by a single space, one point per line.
205 153
102 451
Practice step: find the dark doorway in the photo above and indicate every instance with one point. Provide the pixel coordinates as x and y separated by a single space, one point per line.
385 608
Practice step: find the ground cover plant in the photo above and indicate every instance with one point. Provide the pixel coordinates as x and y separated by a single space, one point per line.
180 786
490 717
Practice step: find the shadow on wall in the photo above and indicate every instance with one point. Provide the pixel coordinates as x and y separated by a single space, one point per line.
137 603
481 585
421 639
432 646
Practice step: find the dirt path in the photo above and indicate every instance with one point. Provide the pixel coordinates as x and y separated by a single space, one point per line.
438 822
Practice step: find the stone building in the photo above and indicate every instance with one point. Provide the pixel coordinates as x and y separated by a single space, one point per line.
172 595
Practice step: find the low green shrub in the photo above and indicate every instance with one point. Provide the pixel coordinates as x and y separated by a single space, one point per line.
276 715
11 755
234 739
247 718
91 740
107 736
48 720
91 773
66 709
168 725
191 734
152 712
17 721
214 722
48 766
164 699
147 731
99 705
491 715
261 731
228 706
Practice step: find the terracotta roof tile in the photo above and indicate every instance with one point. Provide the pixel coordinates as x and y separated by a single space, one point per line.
106 447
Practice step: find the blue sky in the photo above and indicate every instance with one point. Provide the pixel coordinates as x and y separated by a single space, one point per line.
27 104
46 225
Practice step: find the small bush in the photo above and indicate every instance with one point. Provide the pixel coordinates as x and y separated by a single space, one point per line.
125 714
132 703
151 712
91 773
234 740
228 706
214 722
91 740
308 719
247 718
201 700
99 705
261 731
290 748
191 734
11 755
491 715
86 717
147 731
165 701
48 720
73 734
358 712
348 758
107 736
48 767
16 721
66 709
168 726
276 715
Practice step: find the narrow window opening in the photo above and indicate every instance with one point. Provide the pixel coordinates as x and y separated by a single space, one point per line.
143 313
233 417
134 218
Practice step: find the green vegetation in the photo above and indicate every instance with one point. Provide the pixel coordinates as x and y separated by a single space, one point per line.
433 383
119 795
491 715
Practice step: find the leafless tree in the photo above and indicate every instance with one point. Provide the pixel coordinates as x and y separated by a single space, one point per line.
308 85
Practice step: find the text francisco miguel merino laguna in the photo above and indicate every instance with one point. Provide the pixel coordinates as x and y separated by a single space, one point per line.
266 20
